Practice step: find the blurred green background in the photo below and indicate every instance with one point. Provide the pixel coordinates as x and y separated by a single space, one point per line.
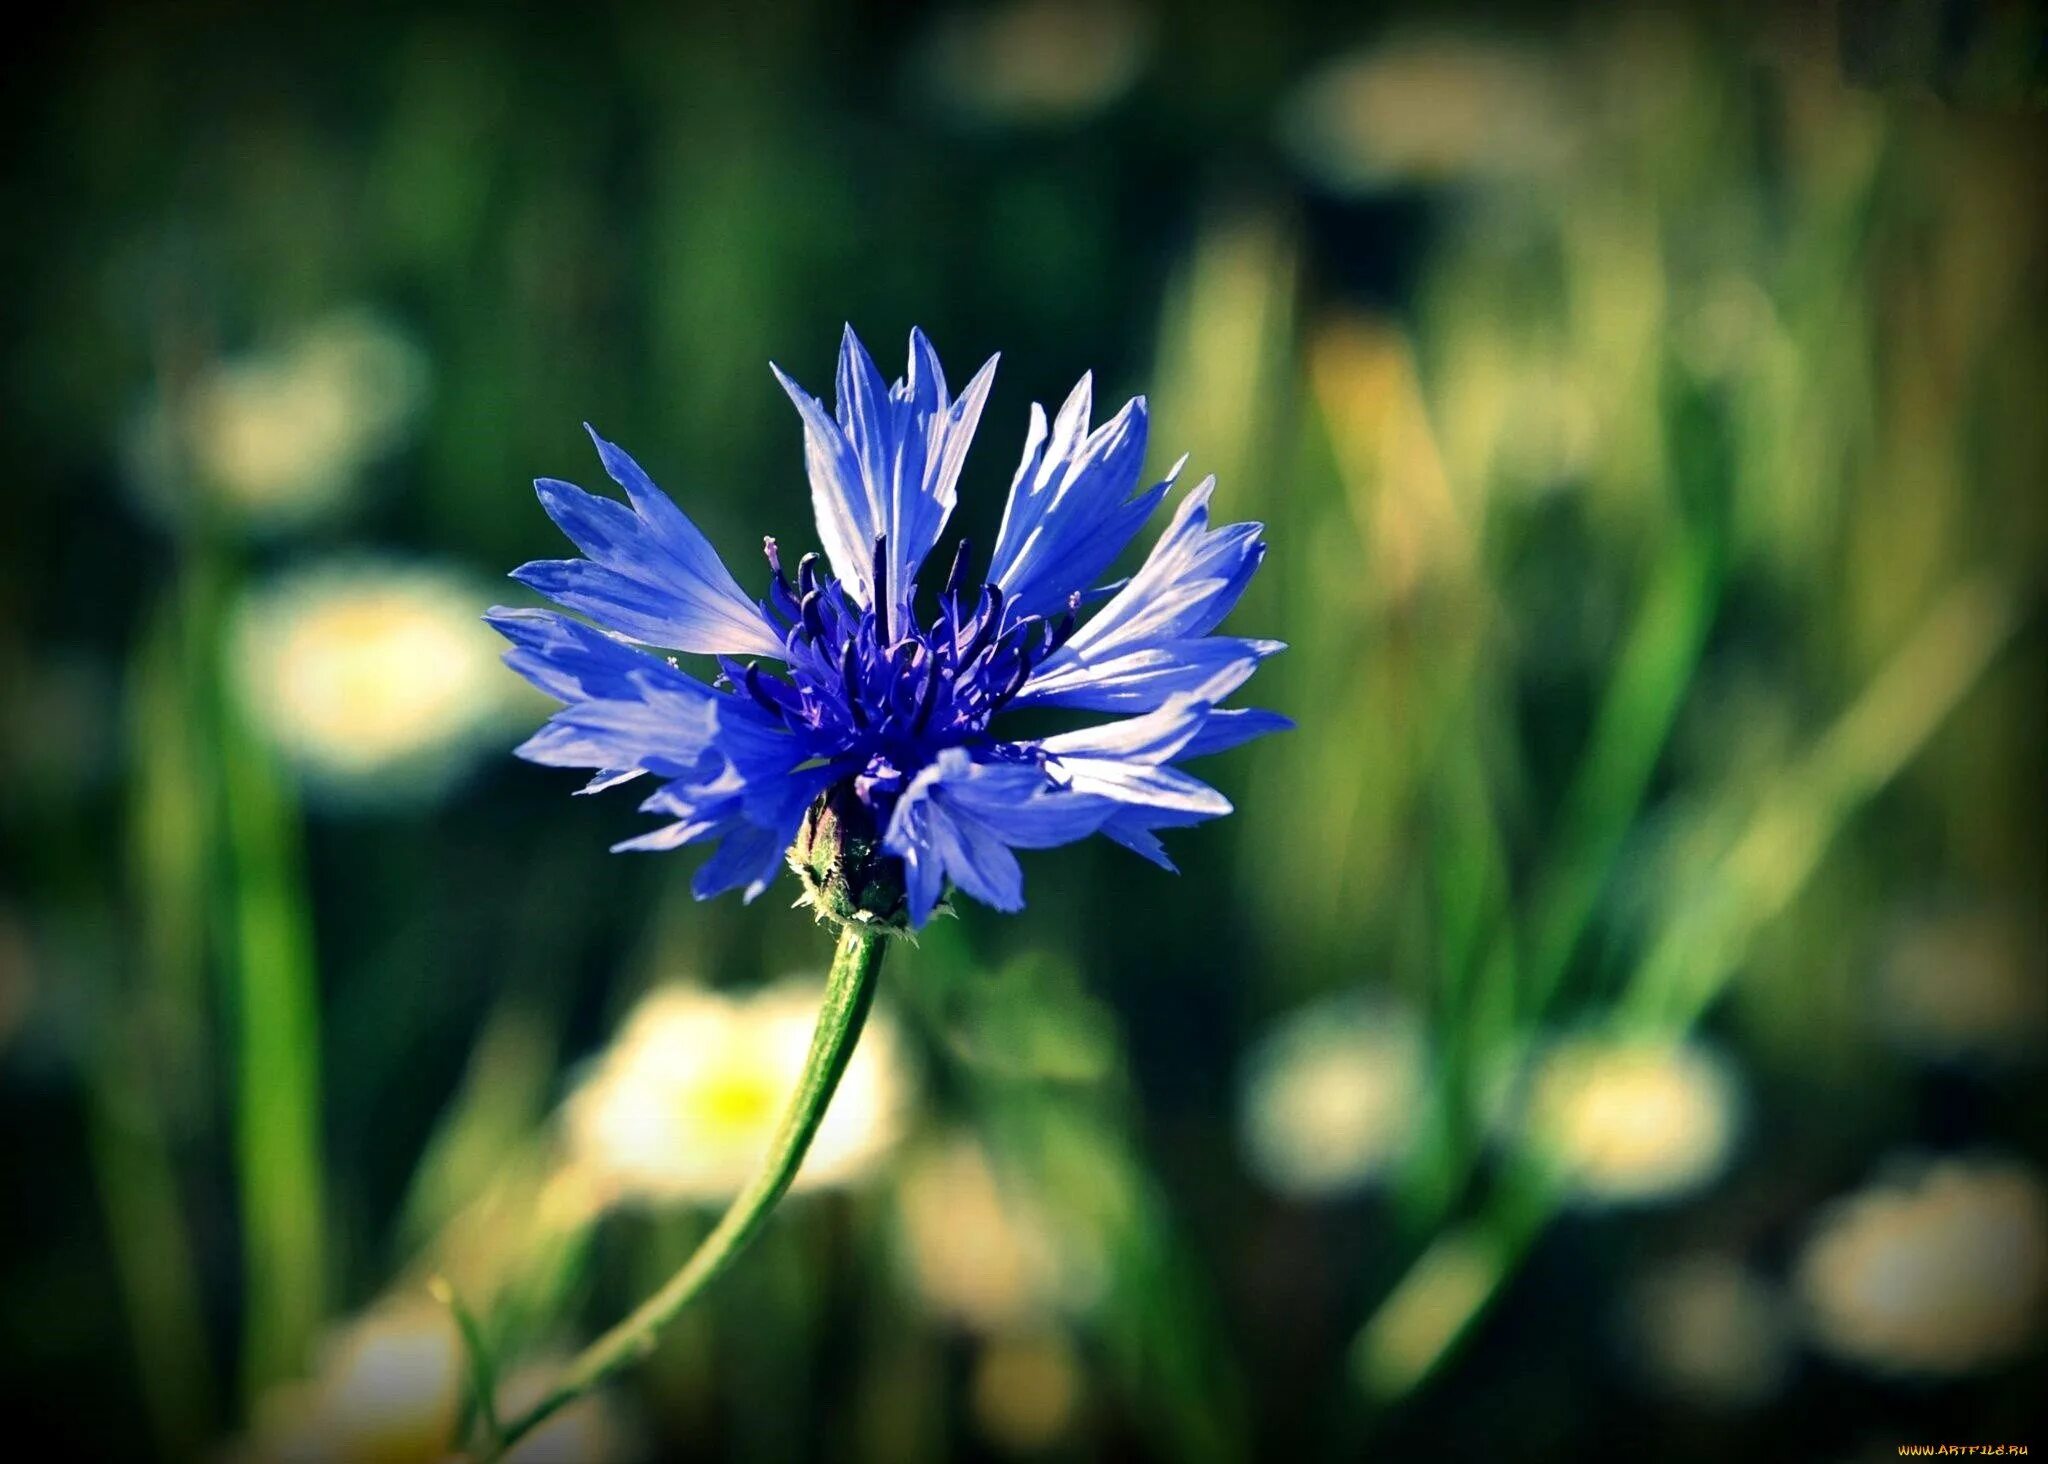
1612 1024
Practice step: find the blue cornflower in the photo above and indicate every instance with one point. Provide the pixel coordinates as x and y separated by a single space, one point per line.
849 701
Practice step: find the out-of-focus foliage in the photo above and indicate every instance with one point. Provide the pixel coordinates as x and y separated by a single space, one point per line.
1613 1021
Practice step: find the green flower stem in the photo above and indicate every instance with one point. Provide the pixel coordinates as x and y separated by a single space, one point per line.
849 991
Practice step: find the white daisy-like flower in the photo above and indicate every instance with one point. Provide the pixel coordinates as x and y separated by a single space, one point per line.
1709 1330
1939 1269
1630 1120
284 437
1331 1096
377 678
1427 108
1967 985
1026 1390
984 1249
389 1388
1033 63
682 1106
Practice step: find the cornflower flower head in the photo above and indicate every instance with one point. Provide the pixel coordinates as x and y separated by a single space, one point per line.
854 721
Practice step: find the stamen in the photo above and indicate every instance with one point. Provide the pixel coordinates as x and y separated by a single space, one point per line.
988 620
929 697
1066 625
849 673
779 594
1014 682
760 693
881 586
901 698
946 629
810 613
807 574
1019 635
956 577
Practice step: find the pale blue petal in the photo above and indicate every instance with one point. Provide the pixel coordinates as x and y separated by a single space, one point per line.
1229 727
839 500
1071 508
1187 584
1134 836
658 728
959 819
887 463
651 574
1143 679
571 661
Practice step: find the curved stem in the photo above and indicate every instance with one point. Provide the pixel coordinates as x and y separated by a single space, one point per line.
849 991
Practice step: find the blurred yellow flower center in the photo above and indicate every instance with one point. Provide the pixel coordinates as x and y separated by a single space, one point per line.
379 671
734 1099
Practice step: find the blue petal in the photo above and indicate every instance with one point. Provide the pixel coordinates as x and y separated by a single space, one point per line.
978 862
960 818
1158 735
753 818
748 855
839 500
1071 509
671 836
658 727
1134 836
571 661
950 433
774 812
1188 583
1143 679
1185 726
1125 762
1229 727
1168 791
888 463
651 574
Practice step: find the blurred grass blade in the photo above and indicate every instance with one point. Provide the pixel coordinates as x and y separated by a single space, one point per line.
1475 970
152 1246
148 1068
277 1040
1445 1292
1157 1321
1439 1298
482 1404
1656 668
1770 862
1443 1295
489 1124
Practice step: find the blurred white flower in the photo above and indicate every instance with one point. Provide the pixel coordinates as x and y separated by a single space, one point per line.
282 438
986 1250
1034 62
681 1107
1625 1121
1706 1329
1965 985
389 1389
1940 1268
1331 1096
1427 109
1026 1390
377 678
592 1430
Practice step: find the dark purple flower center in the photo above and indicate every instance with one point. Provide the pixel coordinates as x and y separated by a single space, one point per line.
873 688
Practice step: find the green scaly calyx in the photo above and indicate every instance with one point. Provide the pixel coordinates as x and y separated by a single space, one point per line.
848 877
